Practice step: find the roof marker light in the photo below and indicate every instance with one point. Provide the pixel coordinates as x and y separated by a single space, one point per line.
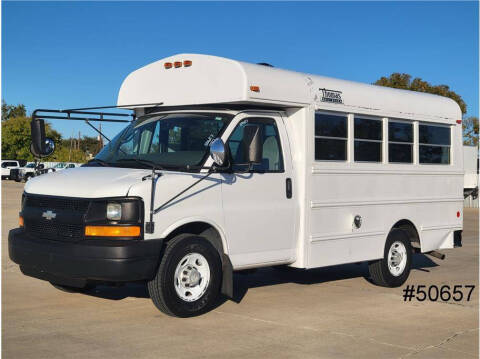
255 88
168 65
459 122
177 64
187 63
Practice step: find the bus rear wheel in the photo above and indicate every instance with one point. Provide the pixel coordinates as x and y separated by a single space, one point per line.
394 268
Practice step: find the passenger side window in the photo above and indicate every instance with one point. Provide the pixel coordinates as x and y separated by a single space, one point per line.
330 137
434 144
400 142
368 140
272 160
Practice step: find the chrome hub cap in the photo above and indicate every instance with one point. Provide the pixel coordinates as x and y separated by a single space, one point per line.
397 258
192 276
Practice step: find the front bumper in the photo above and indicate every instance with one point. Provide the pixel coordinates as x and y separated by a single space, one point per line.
76 264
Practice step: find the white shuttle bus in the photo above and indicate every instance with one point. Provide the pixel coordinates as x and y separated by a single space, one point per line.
225 166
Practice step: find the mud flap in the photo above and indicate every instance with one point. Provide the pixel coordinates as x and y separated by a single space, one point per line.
227 277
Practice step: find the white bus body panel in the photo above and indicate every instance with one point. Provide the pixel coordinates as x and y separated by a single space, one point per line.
217 80
328 195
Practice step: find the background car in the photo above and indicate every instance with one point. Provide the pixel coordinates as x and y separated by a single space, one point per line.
7 165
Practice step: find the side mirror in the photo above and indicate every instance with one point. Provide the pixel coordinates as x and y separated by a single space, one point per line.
218 152
252 139
41 146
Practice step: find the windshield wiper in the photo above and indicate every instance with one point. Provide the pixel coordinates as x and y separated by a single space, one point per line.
189 168
149 164
101 162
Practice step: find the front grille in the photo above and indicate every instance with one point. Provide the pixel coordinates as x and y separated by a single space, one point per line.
52 230
66 226
57 203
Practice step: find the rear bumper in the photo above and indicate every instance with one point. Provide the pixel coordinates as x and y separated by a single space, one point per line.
76 264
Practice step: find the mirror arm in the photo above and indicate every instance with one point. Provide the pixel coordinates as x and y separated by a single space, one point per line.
150 226
97 130
180 193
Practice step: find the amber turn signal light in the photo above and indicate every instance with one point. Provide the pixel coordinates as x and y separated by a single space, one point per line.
20 221
168 65
112 231
255 88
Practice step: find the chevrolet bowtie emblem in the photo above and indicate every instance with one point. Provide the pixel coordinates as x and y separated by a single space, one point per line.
49 215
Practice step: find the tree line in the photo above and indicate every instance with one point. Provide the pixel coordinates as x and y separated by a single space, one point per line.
405 82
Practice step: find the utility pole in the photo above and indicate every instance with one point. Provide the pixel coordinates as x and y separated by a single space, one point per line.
71 144
100 137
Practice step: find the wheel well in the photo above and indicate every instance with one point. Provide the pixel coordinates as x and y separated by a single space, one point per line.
408 227
200 229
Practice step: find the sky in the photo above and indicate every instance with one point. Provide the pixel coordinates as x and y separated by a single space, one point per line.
76 54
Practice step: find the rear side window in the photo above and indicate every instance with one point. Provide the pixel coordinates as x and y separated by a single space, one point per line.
434 144
368 140
331 137
400 142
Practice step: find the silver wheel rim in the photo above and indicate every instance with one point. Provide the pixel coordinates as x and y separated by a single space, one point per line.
192 276
397 258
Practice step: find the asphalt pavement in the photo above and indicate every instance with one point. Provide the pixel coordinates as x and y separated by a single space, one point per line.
332 312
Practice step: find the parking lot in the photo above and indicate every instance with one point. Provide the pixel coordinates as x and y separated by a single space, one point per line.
330 312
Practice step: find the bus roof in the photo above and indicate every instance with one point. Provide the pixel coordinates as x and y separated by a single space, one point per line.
194 79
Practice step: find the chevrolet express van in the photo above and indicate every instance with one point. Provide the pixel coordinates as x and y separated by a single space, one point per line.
225 166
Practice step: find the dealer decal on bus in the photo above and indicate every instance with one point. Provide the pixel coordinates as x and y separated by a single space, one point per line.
331 96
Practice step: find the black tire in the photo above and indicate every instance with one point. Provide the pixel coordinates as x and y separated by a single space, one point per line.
379 271
68 289
162 288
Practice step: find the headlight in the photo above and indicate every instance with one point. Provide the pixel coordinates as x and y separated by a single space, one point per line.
114 211
120 211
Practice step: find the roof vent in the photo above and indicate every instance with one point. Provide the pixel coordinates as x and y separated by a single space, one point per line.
264 64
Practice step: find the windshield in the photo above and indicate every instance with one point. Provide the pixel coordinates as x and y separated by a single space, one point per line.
168 140
30 165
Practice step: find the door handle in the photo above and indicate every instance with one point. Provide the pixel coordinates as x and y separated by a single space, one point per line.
288 187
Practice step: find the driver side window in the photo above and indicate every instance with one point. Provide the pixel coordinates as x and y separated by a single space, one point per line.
272 160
